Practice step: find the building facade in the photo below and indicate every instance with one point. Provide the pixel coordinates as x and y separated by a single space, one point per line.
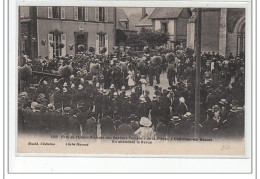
57 31
172 21
222 30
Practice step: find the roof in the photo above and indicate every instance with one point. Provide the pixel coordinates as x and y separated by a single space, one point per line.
165 12
121 19
144 22
120 13
133 20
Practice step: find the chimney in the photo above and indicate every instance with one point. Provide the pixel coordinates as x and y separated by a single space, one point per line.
143 12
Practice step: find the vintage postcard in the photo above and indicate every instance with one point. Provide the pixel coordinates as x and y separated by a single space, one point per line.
157 81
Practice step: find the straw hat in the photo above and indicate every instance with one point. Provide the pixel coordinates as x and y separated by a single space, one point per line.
223 101
112 86
182 100
55 80
145 122
80 87
188 114
67 109
64 90
175 119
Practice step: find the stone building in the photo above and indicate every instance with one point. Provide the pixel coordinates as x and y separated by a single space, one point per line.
222 30
57 31
172 21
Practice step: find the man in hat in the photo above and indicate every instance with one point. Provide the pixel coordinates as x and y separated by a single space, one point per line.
141 109
125 129
161 128
74 125
211 99
151 72
106 104
171 73
52 117
107 127
112 91
125 105
158 71
107 77
90 127
123 93
98 104
174 127
133 122
155 112
182 107
116 105
164 105
65 98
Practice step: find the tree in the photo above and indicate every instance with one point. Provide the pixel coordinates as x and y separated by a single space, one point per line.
153 38
148 37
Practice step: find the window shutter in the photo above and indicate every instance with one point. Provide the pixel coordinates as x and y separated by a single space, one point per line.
50 49
106 14
97 13
86 13
62 12
106 43
97 44
49 12
76 14
63 40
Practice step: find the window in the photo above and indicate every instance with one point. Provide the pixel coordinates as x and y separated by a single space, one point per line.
165 27
86 13
81 11
126 25
56 48
62 13
53 12
101 41
101 14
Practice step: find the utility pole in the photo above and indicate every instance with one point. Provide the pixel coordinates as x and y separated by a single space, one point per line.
198 64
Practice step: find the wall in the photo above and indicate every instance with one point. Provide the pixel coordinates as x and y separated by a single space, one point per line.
210 30
24 11
181 29
157 25
68 28
69 13
191 35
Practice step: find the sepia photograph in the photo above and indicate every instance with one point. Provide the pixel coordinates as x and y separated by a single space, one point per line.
131 80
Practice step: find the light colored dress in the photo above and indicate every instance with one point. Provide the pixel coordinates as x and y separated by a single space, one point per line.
144 132
143 81
130 80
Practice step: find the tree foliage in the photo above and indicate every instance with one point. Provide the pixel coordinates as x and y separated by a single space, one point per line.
148 37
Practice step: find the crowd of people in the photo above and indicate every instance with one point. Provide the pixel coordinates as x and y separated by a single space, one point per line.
111 91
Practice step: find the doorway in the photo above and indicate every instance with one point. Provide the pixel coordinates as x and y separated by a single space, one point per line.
81 38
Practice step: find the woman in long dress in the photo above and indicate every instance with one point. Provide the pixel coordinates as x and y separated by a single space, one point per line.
131 82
